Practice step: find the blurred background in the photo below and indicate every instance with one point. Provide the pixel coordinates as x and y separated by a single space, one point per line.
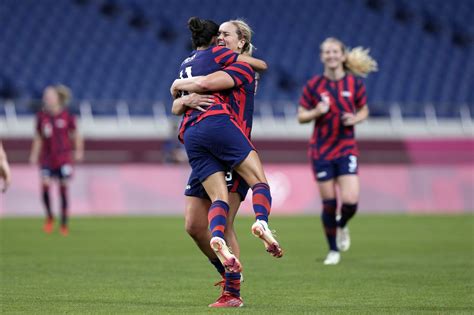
119 57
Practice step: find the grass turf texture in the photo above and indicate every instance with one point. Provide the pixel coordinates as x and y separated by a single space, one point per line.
397 264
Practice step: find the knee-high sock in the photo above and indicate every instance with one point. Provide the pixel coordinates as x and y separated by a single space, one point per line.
217 217
47 201
64 204
328 218
232 283
347 212
262 201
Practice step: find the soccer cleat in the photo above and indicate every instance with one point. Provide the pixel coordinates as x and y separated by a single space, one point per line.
64 230
333 258
227 300
221 284
343 239
48 226
260 229
230 262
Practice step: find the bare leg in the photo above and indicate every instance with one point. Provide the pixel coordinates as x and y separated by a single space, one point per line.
230 235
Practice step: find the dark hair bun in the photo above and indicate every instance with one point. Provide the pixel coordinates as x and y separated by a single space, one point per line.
202 31
195 25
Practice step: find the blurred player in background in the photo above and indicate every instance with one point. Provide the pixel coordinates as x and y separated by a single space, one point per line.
56 141
5 174
173 150
237 36
336 101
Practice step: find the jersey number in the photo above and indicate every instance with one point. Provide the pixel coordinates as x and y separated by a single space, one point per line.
187 70
352 163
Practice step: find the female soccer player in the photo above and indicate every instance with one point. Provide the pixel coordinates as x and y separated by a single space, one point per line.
56 135
4 169
336 101
231 296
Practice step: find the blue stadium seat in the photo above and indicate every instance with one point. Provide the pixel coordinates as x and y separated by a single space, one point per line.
102 57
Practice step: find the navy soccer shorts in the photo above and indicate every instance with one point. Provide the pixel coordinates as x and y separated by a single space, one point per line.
235 183
63 172
325 170
215 144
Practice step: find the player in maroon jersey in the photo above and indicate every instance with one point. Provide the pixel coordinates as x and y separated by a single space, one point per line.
55 139
336 101
4 169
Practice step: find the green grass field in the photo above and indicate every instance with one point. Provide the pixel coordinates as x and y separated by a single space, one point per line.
397 264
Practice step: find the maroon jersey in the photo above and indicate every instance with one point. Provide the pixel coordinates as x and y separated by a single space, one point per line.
331 139
54 130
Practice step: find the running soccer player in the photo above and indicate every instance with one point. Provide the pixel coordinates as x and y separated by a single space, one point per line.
336 101
56 136
5 174
235 35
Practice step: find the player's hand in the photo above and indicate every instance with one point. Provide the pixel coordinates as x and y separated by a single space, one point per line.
5 175
79 156
174 91
199 101
324 105
348 119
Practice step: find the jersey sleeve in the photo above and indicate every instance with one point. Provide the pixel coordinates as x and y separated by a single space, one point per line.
224 56
360 94
72 123
241 73
309 99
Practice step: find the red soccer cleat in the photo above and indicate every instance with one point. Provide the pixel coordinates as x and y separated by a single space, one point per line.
221 284
227 300
64 230
48 226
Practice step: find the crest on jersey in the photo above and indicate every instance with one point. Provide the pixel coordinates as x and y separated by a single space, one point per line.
47 130
60 123
346 93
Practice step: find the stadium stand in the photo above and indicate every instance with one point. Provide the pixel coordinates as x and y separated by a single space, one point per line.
129 50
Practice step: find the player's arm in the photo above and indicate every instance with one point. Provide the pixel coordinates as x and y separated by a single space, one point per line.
193 100
216 81
78 145
35 149
4 169
257 64
351 119
306 115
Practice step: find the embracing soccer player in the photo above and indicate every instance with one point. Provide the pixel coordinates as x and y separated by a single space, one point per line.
56 136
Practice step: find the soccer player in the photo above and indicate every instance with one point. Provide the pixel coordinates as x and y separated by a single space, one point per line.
230 297
336 101
4 169
56 137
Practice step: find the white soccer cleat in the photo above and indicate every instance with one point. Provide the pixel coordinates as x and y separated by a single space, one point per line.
343 239
260 229
333 258
230 262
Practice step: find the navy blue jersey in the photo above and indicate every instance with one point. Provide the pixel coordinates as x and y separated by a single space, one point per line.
201 63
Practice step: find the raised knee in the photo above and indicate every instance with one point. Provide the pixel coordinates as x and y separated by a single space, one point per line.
195 230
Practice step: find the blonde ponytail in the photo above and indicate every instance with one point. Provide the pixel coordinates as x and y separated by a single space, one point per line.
359 62
64 94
